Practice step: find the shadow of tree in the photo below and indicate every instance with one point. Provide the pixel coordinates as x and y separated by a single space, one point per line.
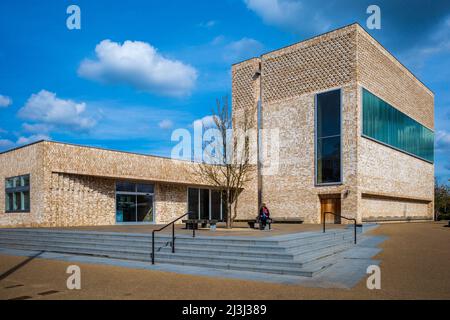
7 273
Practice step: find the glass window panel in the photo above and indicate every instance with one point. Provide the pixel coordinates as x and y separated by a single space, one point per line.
24 181
204 204
329 114
215 205
16 204
26 200
145 188
193 203
125 208
17 194
328 137
9 183
329 160
384 123
9 201
125 186
144 208
224 206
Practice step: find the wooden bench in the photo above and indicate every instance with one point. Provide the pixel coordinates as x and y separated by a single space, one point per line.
252 223
193 223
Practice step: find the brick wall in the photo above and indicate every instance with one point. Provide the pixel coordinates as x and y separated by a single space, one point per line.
20 162
347 58
383 170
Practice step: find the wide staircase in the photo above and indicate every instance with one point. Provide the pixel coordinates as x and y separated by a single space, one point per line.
301 254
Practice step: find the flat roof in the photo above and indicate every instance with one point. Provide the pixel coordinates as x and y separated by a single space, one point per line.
93 147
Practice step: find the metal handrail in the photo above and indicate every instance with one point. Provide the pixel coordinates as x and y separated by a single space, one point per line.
173 234
338 215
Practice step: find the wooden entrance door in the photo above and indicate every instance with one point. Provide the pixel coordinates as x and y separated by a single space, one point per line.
331 205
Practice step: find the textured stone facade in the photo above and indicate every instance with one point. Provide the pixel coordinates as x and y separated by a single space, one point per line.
20 162
75 185
348 59
76 200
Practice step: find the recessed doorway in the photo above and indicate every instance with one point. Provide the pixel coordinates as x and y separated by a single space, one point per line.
330 203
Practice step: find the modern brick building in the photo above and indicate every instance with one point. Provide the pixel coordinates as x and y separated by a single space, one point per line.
356 138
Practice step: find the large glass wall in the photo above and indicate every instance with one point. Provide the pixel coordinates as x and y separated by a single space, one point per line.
328 137
134 202
384 123
206 204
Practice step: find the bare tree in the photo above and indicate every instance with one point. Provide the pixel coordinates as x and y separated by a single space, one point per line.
228 165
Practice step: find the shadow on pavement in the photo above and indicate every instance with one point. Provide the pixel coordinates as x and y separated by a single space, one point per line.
20 265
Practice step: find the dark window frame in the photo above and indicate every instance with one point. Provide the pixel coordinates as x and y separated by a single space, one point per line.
12 190
316 140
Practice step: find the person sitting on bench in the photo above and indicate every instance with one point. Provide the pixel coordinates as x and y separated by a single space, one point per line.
264 215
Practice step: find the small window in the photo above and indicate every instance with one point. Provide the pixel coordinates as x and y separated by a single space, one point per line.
17 194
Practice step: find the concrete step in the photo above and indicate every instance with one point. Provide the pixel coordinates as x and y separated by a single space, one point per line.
300 237
267 243
200 253
303 254
249 268
180 245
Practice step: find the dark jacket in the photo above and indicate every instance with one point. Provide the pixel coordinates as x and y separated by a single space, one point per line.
267 212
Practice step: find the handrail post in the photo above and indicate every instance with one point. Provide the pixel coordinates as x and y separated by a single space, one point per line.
173 237
324 218
193 230
355 229
153 247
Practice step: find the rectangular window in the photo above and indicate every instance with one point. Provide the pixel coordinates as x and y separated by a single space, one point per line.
384 123
193 203
206 204
17 194
328 137
134 202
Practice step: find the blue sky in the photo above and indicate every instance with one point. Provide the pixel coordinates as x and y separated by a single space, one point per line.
67 85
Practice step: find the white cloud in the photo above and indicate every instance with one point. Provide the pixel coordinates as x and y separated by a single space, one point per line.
48 110
5 143
140 65
242 49
206 122
5 101
208 24
288 14
33 138
36 127
165 124
442 140
438 43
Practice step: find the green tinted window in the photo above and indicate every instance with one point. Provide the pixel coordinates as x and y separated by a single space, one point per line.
386 124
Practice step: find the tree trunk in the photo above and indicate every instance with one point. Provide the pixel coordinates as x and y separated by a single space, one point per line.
229 226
